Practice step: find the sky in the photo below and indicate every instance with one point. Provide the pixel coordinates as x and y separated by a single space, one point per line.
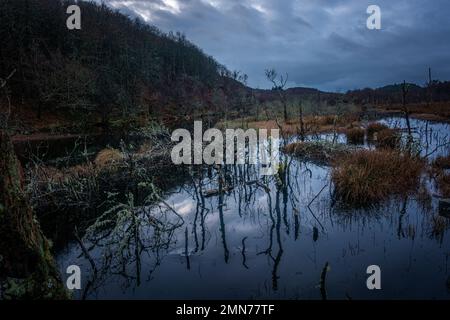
323 44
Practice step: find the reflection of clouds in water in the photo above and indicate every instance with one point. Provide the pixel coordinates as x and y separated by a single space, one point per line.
184 207
181 203
430 134
212 219
246 227
350 239
262 201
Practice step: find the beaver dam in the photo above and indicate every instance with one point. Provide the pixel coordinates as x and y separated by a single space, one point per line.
206 232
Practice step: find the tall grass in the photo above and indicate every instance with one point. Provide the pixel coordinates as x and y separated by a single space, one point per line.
373 128
318 151
443 182
442 162
355 135
367 177
439 167
388 138
108 157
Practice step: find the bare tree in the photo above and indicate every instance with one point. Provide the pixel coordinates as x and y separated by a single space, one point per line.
405 90
279 85
430 89
302 124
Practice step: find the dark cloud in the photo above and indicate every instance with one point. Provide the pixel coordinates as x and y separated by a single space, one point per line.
320 43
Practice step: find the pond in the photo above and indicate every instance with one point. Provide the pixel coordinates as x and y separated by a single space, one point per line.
270 238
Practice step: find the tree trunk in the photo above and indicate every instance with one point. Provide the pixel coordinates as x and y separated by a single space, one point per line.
302 125
430 88
27 268
405 108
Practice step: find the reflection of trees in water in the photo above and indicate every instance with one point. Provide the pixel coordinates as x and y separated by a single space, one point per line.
296 196
122 234
200 213
226 252
406 215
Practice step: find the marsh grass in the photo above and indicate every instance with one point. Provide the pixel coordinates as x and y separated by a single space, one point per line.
439 169
442 162
318 151
439 225
313 124
82 187
373 128
355 135
443 182
109 158
366 177
388 139
436 111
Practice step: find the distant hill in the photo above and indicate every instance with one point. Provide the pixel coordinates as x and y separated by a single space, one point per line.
118 69
390 94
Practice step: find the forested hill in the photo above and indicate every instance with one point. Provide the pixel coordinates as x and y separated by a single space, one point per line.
113 67
437 91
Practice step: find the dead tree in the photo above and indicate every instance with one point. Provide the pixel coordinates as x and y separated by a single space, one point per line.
25 258
430 88
278 86
302 124
405 90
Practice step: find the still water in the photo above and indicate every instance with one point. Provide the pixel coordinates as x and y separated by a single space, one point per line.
270 237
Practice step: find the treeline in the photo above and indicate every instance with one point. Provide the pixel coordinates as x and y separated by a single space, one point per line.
114 66
435 91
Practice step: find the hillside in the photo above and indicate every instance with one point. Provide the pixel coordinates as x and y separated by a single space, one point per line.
117 72
111 68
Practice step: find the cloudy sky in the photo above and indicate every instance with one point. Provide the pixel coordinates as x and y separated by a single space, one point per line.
319 43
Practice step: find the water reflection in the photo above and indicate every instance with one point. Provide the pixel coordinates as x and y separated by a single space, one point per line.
245 235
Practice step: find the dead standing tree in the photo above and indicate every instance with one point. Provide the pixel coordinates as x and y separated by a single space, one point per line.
26 264
430 88
405 90
278 86
302 124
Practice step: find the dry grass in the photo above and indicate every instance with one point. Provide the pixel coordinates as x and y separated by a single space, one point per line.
436 111
375 127
107 158
388 139
442 162
50 174
327 120
369 176
317 151
438 226
438 170
312 124
443 182
355 135
146 148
